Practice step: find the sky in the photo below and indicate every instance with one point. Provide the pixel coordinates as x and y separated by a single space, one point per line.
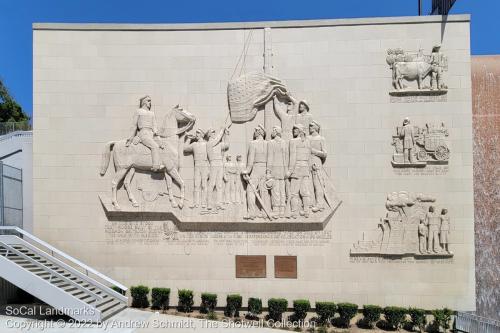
17 16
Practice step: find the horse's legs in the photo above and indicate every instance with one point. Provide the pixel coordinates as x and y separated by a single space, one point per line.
168 181
119 175
177 178
126 183
419 81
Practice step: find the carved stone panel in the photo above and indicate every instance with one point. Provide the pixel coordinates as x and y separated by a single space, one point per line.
416 147
413 225
285 267
286 181
416 66
250 266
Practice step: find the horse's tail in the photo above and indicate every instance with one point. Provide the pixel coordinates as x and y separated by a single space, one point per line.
106 157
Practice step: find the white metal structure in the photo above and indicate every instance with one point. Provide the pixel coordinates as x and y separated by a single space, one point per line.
470 323
57 278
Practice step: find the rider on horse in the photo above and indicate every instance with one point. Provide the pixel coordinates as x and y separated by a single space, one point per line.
145 131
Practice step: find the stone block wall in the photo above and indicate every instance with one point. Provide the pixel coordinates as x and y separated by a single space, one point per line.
87 82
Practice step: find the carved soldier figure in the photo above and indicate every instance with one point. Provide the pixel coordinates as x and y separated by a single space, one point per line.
215 146
198 147
436 67
240 191
444 230
318 156
434 222
230 174
408 137
277 163
298 171
423 233
256 170
145 130
304 117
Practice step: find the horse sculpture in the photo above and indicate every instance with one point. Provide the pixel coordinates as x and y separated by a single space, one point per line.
127 159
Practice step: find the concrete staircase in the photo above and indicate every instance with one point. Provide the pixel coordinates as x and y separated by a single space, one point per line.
64 283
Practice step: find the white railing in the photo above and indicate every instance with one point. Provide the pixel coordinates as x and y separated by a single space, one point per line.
52 272
16 134
15 240
470 323
62 255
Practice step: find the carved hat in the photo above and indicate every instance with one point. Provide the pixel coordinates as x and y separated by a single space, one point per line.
300 127
305 104
315 124
209 131
277 128
260 129
406 121
436 46
142 99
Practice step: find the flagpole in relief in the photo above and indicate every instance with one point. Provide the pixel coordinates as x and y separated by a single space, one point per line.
268 69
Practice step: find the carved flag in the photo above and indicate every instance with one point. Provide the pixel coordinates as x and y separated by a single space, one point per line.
249 93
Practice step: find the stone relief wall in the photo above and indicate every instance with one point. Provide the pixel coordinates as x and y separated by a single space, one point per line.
413 225
417 66
88 87
283 177
416 147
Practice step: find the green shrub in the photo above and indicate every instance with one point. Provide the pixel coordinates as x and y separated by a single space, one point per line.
346 311
276 308
395 316
371 315
254 306
117 289
300 309
233 305
139 296
185 300
417 318
208 302
160 298
442 319
212 316
325 311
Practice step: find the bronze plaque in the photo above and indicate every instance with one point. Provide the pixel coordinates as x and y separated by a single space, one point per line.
250 266
285 267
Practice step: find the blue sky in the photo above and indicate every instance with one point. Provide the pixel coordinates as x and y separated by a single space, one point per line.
17 16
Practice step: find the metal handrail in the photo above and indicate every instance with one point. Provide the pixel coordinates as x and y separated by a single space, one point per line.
86 278
471 323
49 270
65 256
10 135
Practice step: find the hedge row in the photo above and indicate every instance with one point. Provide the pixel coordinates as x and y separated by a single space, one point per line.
339 314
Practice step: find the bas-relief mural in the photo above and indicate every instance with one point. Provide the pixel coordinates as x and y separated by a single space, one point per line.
417 66
283 180
413 225
419 146
283 185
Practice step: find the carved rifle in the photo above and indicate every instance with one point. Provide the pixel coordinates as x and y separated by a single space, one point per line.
325 193
259 199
